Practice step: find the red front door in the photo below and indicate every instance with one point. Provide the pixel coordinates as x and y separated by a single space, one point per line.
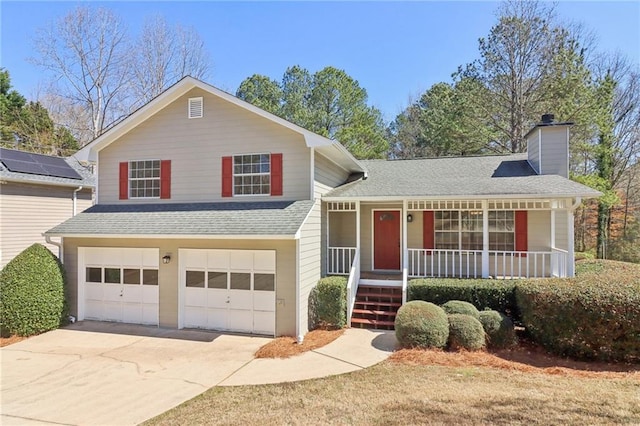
386 239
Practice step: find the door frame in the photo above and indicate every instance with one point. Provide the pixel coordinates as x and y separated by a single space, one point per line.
373 238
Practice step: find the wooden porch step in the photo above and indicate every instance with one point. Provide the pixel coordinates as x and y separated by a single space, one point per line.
361 311
374 322
380 295
377 303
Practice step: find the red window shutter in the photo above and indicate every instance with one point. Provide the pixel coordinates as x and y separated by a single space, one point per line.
428 237
124 180
165 179
276 174
521 230
227 176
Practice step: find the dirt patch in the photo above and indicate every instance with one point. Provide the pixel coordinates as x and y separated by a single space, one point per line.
524 358
6 341
285 347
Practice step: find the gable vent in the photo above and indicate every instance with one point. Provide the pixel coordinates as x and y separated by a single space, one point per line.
195 108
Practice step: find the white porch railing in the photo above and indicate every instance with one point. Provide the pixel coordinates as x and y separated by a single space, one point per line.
340 260
502 264
445 263
519 264
559 262
352 285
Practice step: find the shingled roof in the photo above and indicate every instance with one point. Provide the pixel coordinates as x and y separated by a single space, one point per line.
488 176
87 181
282 219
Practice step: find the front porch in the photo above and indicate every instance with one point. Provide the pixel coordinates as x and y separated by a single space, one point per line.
387 244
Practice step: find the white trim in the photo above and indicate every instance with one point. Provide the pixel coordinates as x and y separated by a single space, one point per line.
373 227
299 335
177 236
81 279
485 239
400 198
540 150
312 174
47 183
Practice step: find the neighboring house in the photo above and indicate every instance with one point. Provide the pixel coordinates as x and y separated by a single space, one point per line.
38 192
212 213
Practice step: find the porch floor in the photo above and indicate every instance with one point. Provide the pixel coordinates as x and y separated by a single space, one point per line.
381 276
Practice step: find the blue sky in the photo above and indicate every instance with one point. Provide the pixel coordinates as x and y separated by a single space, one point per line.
396 50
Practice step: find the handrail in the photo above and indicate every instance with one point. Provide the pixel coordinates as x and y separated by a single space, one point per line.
352 285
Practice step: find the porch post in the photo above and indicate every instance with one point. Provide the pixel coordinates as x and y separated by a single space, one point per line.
405 251
485 239
553 227
571 261
358 227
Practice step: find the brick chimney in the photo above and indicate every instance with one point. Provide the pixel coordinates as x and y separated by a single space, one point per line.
548 147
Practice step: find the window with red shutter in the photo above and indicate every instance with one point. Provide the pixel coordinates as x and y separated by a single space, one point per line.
165 179
521 231
124 180
227 176
276 174
428 240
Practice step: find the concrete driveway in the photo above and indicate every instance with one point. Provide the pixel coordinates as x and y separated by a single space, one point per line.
113 374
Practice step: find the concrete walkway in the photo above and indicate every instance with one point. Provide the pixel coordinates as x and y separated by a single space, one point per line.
107 373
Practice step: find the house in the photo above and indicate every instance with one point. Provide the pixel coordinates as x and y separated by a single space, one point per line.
212 213
38 192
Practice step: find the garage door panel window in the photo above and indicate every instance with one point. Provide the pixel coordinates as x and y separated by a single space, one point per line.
150 277
195 279
112 275
131 276
94 275
217 280
264 282
240 281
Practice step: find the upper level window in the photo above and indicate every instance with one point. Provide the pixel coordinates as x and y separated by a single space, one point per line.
144 179
252 174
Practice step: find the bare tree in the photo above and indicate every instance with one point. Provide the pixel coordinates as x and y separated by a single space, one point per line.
86 51
163 55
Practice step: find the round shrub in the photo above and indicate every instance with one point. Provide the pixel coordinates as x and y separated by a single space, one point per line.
328 303
421 325
32 292
499 329
461 307
465 332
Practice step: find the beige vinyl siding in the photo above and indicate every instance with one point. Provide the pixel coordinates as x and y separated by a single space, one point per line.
554 158
168 276
342 229
27 211
196 147
328 175
539 230
308 264
415 238
533 150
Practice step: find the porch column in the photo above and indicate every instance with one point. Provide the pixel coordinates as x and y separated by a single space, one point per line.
553 228
358 228
405 251
571 261
485 239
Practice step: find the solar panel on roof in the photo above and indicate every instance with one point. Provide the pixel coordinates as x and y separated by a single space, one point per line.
38 164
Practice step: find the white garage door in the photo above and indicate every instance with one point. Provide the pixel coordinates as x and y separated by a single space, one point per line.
119 284
230 290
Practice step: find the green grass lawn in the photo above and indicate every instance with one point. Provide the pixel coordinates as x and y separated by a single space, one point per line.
397 393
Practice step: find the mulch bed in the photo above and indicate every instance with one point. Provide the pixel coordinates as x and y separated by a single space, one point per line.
526 357
285 347
6 341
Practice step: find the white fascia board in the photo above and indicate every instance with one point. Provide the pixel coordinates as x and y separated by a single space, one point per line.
299 231
338 154
37 182
175 236
400 199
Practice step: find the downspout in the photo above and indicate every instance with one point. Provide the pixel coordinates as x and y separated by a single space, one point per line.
75 200
48 239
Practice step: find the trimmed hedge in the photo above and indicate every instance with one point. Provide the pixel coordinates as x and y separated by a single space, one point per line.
32 292
328 303
482 293
421 325
499 328
460 307
595 315
465 332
